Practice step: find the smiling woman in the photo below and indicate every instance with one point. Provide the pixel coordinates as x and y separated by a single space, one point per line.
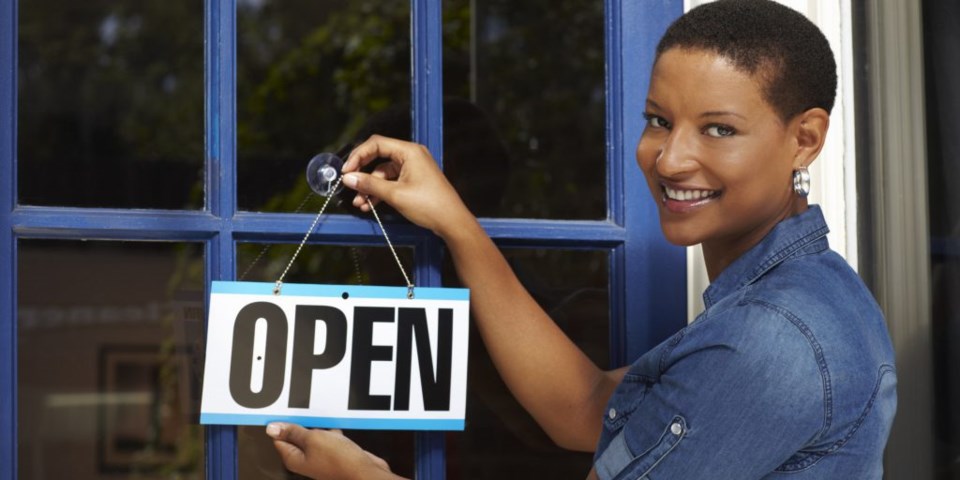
719 157
788 370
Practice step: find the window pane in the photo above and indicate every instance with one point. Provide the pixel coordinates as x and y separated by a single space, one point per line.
533 72
940 21
501 439
111 103
325 264
110 339
310 75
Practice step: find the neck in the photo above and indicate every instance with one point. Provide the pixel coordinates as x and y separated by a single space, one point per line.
718 254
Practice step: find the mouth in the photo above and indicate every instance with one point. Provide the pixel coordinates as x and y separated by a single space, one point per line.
684 199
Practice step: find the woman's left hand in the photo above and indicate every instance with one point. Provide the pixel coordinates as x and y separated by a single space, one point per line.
325 454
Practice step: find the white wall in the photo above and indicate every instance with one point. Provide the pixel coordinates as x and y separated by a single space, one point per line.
834 173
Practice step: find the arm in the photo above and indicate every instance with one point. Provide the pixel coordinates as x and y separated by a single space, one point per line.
567 406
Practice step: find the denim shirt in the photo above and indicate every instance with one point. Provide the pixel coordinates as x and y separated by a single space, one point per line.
788 373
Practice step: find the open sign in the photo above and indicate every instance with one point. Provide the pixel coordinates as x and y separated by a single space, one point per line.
336 356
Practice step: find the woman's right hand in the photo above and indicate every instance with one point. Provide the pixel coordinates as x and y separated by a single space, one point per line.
411 182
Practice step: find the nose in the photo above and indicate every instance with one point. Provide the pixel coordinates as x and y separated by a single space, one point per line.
676 156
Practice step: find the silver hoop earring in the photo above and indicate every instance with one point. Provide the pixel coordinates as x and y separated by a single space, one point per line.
801 181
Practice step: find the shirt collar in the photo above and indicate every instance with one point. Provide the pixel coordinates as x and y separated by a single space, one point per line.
787 239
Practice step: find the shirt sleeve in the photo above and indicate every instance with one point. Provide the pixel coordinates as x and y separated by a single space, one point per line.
731 397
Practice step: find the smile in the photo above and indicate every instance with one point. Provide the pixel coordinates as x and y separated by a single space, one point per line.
683 195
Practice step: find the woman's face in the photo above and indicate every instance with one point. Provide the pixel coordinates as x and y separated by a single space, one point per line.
717 158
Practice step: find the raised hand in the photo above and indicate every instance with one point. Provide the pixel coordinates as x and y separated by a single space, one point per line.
411 182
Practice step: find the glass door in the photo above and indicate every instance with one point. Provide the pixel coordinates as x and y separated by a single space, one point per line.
147 148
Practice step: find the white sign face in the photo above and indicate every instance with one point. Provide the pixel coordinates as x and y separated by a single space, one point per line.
336 356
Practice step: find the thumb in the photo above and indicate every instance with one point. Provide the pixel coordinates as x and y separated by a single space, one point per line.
290 442
370 188
369 184
288 432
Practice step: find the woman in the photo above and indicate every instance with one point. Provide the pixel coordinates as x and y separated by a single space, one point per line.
789 370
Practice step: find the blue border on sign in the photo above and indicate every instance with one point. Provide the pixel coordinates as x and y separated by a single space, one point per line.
354 291
333 422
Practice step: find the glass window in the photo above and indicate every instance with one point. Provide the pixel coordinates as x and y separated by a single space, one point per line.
110 104
110 339
524 83
943 170
501 439
111 111
312 77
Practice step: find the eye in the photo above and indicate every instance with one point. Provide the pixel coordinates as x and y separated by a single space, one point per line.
656 121
719 131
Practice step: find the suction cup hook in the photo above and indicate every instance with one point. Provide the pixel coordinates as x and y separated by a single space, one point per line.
323 171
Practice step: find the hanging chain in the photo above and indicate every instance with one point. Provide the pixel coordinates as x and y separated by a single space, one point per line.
279 283
266 247
392 250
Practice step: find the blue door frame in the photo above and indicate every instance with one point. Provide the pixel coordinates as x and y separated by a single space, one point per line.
647 276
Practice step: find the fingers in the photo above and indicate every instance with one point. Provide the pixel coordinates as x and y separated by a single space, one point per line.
378 146
373 187
410 181
290 433
324 454
368 185
290 442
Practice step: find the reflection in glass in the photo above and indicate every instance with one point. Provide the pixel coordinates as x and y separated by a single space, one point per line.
324 264
943 169
501 439
110 343
536 70
110 110
309 75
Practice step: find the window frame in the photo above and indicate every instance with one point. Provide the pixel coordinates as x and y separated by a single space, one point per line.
640 259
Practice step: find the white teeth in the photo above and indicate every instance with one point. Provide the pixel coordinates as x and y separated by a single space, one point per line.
687 195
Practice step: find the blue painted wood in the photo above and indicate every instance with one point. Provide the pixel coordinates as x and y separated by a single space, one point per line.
617 266
653 272
113 224
170 225
220 175
8 247
221 440
427 94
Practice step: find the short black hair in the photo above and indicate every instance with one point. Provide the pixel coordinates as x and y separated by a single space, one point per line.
790 54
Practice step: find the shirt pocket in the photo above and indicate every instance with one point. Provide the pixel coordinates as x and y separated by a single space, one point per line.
624 402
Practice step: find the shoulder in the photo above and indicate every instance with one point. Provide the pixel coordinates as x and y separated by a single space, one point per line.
814 286
828 302
756 341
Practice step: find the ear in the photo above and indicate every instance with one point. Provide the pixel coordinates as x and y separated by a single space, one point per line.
810 128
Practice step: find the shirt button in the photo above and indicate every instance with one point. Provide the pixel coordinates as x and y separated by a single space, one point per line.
676 429
612 413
